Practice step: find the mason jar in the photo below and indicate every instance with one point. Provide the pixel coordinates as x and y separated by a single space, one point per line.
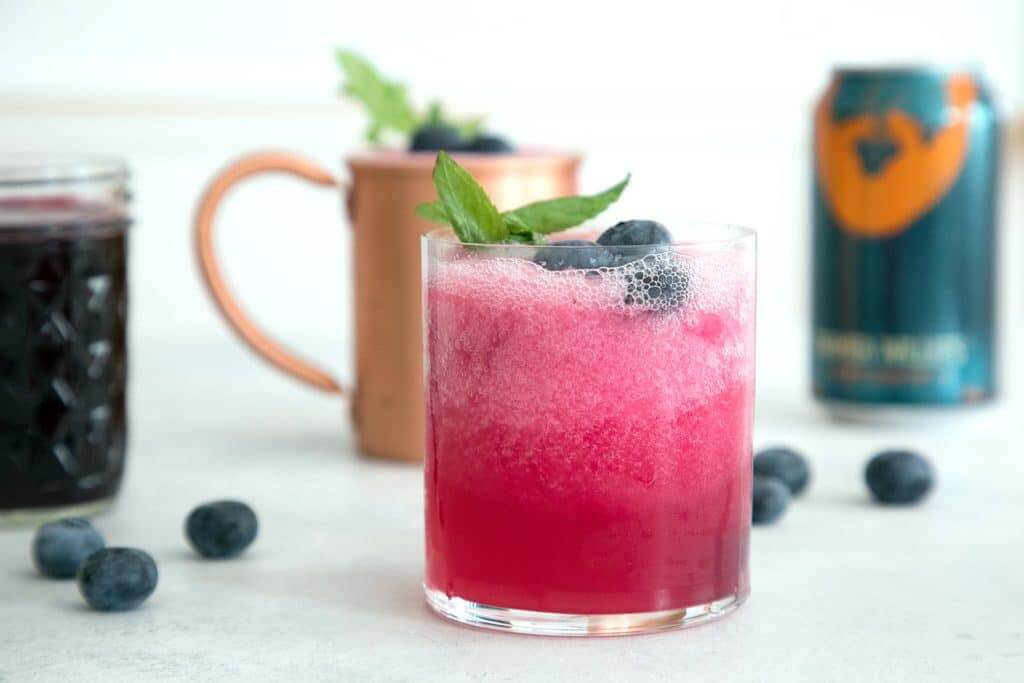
63 343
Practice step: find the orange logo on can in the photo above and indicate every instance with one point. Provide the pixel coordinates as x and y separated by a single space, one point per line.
911 172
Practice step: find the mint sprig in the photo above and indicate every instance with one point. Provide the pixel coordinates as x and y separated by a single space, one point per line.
473 217
386 102
464 205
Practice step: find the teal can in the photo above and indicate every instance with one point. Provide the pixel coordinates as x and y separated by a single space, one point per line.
906 170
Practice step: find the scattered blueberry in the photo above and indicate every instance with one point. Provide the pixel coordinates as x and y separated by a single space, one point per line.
432 137
59 547
555 257
784 464
117 579
898 477
221 529
489 144
771 497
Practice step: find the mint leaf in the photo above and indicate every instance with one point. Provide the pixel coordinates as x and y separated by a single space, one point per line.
433 211
553 215
385 101
516 225
519 232
473 217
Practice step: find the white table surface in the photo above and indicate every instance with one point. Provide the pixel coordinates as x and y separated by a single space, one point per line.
842 589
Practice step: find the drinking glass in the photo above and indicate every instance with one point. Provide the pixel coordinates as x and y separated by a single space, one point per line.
589 413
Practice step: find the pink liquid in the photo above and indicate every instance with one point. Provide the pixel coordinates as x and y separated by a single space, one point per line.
583 457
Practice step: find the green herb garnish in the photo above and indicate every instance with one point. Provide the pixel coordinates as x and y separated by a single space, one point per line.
554 215
433 212
388 104
465 206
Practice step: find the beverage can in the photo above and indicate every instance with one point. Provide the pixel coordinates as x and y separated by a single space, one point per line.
904 219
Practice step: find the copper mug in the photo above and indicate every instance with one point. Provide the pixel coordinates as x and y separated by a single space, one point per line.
381 195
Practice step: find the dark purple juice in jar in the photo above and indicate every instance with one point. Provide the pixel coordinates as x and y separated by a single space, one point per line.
63 315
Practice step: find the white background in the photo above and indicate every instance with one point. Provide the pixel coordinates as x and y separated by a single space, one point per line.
707 104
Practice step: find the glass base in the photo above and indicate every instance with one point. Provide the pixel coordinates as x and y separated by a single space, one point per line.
556 624
29 517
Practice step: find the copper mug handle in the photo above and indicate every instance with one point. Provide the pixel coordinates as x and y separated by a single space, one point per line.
243 325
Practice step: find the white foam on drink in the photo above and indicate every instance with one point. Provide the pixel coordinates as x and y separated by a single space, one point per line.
669 280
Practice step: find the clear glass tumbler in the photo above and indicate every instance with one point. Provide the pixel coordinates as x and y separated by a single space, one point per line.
589 417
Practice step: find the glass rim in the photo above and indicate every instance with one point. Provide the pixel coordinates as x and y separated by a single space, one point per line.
28 171
730 235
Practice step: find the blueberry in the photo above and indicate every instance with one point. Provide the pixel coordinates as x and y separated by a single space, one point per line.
116 579
221 529
433 137
556 257
784 464
489 144
59 547
635 233
771 497
631 241
898 477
